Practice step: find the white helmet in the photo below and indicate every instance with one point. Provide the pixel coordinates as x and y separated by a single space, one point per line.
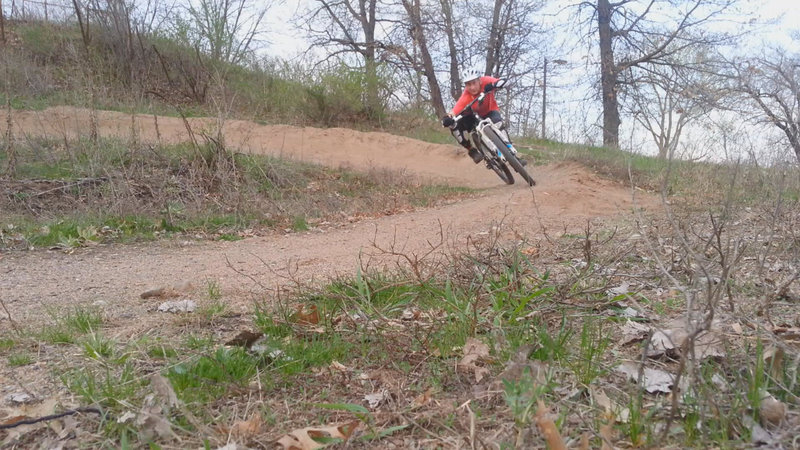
471 73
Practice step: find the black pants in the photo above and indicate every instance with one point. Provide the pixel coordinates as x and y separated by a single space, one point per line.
467 124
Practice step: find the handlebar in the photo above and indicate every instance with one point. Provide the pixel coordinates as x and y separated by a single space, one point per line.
478 99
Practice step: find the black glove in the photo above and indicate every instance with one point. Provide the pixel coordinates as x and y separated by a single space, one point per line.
488 88
447 121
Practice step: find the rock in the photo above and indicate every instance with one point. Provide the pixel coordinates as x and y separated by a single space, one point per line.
178 306
19 398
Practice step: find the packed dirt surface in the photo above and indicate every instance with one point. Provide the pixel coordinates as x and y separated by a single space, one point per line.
114 276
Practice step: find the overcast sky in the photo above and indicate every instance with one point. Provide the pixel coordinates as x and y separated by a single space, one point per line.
285 41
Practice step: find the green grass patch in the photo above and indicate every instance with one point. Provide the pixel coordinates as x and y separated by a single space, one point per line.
19 359
209 376
75 322
7 344
113 387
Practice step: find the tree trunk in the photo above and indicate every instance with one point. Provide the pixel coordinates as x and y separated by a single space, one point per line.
794 140
370 64
494 36
608 76
2 24
418 33
455 79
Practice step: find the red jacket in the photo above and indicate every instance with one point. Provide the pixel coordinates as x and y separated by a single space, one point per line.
489 103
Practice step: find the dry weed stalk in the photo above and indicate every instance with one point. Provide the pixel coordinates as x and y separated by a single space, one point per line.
10 319
423 266
710 271
11 152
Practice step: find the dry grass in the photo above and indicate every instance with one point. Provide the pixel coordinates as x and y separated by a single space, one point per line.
130 192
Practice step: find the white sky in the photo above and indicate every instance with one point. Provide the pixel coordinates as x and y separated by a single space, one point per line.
285 41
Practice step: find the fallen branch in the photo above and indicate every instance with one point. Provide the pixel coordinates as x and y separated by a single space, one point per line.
15 422
79 182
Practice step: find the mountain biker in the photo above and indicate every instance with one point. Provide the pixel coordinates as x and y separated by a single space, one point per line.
475 83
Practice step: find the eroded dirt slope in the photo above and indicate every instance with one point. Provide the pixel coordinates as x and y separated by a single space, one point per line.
114 276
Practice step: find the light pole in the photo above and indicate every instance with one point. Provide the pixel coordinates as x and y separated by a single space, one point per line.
544 95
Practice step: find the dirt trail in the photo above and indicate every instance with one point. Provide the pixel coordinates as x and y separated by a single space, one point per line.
566 196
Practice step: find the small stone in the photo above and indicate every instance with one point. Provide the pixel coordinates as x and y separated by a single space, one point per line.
178 306
19 398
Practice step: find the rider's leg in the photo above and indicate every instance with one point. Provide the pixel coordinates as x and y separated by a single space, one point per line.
497 119
462 137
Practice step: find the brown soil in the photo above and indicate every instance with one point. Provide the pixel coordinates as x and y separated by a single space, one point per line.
566 197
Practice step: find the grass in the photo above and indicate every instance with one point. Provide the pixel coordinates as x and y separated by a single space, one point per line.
7 344
552 339
110 192
74 322
19 359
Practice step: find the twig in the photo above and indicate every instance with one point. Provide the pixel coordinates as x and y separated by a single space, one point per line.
77 183
13 324
31 421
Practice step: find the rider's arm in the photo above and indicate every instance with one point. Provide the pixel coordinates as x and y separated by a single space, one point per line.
462 103
491 83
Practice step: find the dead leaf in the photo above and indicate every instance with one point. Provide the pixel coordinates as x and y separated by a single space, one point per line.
127 417
422 399
152 425
607 432
168 291
584 444
163 389
634 331
772 411
339 367
773 359
152 293
660 344
70 427
622 289
307 316
620 414
654 380
474 351
245 430
411 314
375 400
548 428
14 420
303 439
245 338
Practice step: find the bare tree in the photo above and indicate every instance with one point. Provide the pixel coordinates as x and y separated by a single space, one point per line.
414 12
772 83
641 35
348 27
448 25
226 30
666 98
